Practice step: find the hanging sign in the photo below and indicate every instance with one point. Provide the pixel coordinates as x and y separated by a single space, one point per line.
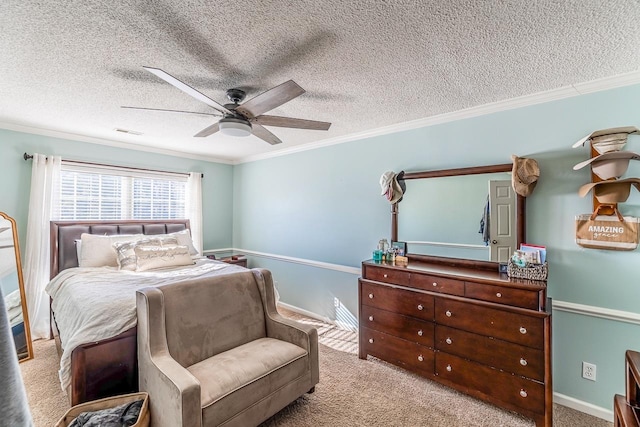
607 232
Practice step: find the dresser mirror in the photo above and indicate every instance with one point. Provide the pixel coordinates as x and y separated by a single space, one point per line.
460 215
12 286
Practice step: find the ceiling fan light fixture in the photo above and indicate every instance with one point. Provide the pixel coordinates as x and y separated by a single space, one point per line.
235 127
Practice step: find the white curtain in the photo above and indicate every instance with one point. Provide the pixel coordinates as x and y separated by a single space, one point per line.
45 181
193 207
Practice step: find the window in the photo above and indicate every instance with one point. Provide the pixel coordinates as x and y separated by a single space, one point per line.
95 192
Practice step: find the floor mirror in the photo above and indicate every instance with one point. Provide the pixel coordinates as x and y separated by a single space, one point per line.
12 285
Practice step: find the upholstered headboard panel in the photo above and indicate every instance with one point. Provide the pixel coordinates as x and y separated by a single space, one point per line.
65 233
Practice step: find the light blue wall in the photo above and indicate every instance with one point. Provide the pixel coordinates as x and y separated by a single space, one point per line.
325 205
15 178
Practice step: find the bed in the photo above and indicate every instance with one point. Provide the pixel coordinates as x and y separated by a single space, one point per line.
96 364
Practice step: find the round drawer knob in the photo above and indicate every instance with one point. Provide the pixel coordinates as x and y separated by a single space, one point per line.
371 296
385 276
448 341
420 307
370 340
435 284
371 318
420 333
523 362
499 295
449 368
523 393
523 330
448 313
420 358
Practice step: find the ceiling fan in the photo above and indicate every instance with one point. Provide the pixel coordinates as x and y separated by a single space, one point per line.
246 118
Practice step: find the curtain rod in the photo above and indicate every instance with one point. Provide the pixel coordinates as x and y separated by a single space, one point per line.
30 156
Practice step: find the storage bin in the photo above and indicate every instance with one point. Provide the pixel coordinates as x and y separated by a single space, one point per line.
533 272
106 403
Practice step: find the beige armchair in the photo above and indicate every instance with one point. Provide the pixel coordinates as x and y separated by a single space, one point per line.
216 352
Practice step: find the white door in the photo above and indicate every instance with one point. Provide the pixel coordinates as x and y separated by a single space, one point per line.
503 236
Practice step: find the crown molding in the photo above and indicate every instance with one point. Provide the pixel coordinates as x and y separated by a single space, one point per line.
578 89
108 142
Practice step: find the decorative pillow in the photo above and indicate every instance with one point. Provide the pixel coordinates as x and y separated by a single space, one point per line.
184 239
150 257
98 251
126 255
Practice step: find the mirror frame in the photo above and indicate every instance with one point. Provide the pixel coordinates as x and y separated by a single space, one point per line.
23 299
475 170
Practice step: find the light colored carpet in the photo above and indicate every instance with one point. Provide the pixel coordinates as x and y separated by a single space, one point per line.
351 392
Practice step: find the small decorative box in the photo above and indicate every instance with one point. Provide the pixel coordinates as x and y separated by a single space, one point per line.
531 272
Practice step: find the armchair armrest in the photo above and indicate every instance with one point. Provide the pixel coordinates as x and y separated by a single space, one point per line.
278 327
174 394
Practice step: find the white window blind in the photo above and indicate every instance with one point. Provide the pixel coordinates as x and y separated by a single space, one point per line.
96 192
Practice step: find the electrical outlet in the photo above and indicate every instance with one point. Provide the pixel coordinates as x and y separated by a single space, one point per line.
589 371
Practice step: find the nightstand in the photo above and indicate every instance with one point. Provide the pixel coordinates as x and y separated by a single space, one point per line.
240 260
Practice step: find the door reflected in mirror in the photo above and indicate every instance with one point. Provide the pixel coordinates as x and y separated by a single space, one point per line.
12 285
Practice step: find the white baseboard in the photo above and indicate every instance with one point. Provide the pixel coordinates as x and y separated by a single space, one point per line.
316 316
583 406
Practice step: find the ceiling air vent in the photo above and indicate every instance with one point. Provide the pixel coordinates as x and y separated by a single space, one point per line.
131 132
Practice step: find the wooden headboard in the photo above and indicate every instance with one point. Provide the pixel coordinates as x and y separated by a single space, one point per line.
65 233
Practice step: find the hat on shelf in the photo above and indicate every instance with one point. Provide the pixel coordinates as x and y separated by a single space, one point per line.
612 164
610 191
606 140
524 175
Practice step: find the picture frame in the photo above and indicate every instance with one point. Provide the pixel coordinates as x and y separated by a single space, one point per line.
401 248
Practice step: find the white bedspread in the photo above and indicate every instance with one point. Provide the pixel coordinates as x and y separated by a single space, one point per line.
92 304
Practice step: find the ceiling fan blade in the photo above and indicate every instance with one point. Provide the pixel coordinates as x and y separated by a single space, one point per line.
172 111
187 89
209 130
270 99
264 134
290 122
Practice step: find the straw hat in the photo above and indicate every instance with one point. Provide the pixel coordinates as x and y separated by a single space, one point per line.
524 175
610 191
612 164
606 140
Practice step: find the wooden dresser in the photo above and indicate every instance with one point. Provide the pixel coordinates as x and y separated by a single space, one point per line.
474 330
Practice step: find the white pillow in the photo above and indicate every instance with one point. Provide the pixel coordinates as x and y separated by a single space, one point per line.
150 257
126 256
184 239
98 251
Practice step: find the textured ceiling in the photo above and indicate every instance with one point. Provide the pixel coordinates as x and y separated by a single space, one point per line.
70 65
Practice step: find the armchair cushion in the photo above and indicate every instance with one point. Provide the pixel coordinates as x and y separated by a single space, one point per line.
236 379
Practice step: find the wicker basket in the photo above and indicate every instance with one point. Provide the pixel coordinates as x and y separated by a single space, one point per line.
109 402
532 272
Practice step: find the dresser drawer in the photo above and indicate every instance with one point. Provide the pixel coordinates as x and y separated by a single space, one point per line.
492 322
504 295
518 359
387 275
404 327
512 389
437 284
400 301
395 350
